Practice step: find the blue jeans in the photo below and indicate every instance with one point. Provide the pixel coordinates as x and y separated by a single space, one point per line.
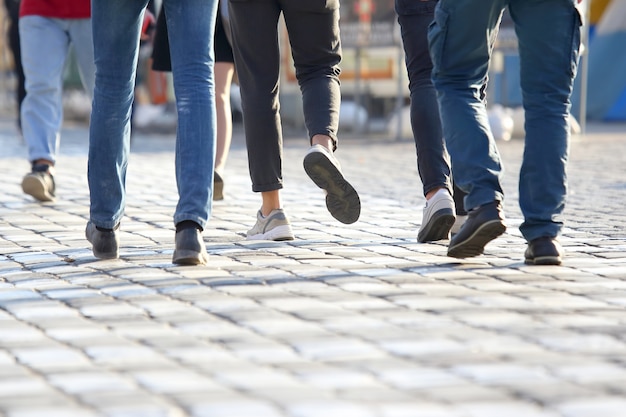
116 30
45 45
549 40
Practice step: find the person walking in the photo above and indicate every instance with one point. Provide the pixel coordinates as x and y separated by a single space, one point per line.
461 41
224 72
117 26
444 212
48 28
313 30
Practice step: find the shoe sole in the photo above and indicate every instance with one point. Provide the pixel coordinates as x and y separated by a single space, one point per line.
438 228
544 260
35 188
342 200
475 244
218 190
277 234
105 254
189 257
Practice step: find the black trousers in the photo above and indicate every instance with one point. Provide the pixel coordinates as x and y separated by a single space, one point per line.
13 9
161 47
313 30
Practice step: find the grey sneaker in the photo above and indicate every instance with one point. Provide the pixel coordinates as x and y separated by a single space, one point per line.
342 200
39 183
275 226
438 217
105 243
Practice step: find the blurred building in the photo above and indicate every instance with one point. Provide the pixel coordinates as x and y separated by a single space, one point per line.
606 81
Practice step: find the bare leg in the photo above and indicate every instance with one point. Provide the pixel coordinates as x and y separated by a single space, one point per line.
271 201
223 77
323 140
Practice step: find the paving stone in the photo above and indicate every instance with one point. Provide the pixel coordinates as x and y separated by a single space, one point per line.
509 408
24 386
77 383
52 411
128 355
553 392
605 405
417 409
236 407
51 358
336 348
329 409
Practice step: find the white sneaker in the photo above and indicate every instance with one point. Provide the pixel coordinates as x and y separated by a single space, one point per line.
274 226
438 217
458 223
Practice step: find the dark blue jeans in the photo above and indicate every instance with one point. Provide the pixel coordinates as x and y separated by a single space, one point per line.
433 163
461 40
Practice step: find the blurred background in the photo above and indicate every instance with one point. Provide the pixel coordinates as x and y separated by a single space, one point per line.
374 81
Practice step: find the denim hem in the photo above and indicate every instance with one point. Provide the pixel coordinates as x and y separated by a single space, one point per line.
180 217
106 224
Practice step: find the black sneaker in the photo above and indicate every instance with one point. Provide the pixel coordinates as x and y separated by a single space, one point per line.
190 249
483 224
545 250
39 183
105 243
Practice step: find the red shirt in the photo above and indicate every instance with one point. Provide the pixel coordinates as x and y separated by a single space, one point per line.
62 9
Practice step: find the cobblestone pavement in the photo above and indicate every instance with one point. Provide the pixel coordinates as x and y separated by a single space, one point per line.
345 321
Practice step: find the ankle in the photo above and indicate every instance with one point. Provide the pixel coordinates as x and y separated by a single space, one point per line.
434 191
187 224
266 211
323 140
270 201
41 162
105 229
